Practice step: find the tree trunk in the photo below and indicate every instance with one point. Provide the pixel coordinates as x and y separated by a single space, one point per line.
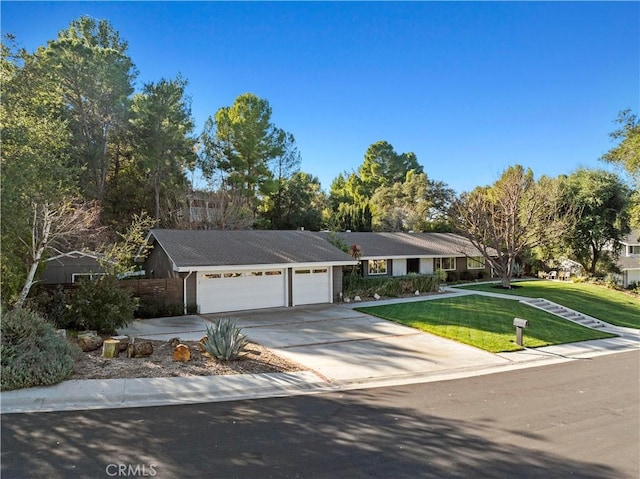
139 349
110 348
89 342
37 248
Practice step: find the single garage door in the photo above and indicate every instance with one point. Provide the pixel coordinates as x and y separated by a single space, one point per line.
238 290
311 286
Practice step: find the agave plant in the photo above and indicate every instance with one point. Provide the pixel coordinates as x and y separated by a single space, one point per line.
517 270
225 340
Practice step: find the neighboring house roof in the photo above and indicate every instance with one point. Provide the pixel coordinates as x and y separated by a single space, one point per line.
204 248
632 238
74 255
408 245
629 262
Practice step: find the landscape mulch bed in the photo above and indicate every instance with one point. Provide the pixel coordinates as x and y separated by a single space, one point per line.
255 359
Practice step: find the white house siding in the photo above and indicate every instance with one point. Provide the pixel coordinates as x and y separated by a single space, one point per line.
631 276
426 265
399 267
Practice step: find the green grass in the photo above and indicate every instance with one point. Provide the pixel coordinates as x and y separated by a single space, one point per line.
485 322
615 307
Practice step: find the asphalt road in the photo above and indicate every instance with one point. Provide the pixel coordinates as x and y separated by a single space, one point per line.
577 419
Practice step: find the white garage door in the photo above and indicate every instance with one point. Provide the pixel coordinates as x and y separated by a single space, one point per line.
311 286
238 290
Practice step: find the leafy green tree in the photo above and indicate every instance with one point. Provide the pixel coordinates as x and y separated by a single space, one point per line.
601 201
351 217
382 166
514 214
627 155
417 203
35 167
240 144
376 194
161 125
119 256
89 65
300 204
627 152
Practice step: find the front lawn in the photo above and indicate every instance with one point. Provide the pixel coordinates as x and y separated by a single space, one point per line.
484 322
615 307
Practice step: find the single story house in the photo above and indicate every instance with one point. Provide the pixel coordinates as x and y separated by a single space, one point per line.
232 270
68 268
629 260
398 254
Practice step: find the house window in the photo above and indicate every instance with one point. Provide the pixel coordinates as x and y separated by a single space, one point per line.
475 262
273 273
445 264
211 276
634 249
303 271
377 266
320 271
233 275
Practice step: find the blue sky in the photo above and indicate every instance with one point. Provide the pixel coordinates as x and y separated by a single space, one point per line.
470 87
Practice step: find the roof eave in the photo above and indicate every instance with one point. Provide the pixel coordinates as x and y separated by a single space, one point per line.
226 267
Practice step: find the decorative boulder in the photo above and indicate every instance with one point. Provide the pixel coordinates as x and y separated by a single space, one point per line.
173 342
357 298
417 293
376 296
347 300
182 353
202 342
139 349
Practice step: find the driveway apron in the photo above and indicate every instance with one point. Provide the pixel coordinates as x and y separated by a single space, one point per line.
342 344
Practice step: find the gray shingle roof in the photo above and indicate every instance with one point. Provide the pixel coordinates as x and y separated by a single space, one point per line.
632 238
408 244
190 248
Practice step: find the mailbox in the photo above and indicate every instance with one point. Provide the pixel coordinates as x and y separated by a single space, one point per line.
520 323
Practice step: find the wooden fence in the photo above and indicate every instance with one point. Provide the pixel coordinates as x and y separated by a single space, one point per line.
163 291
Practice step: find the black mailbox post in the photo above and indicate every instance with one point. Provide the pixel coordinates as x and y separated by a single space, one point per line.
520 324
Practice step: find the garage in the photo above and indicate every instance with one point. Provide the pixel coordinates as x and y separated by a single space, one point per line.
220 291
311 286
237 270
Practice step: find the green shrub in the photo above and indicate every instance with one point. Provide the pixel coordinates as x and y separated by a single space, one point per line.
389 286
225 340
611 281
31 353
101 305
52 305
452 276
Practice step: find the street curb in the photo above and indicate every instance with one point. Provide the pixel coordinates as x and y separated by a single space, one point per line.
85 394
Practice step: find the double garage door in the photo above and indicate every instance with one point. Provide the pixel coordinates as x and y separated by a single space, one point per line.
256 289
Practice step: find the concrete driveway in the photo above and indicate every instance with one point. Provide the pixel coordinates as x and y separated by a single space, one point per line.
342 344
